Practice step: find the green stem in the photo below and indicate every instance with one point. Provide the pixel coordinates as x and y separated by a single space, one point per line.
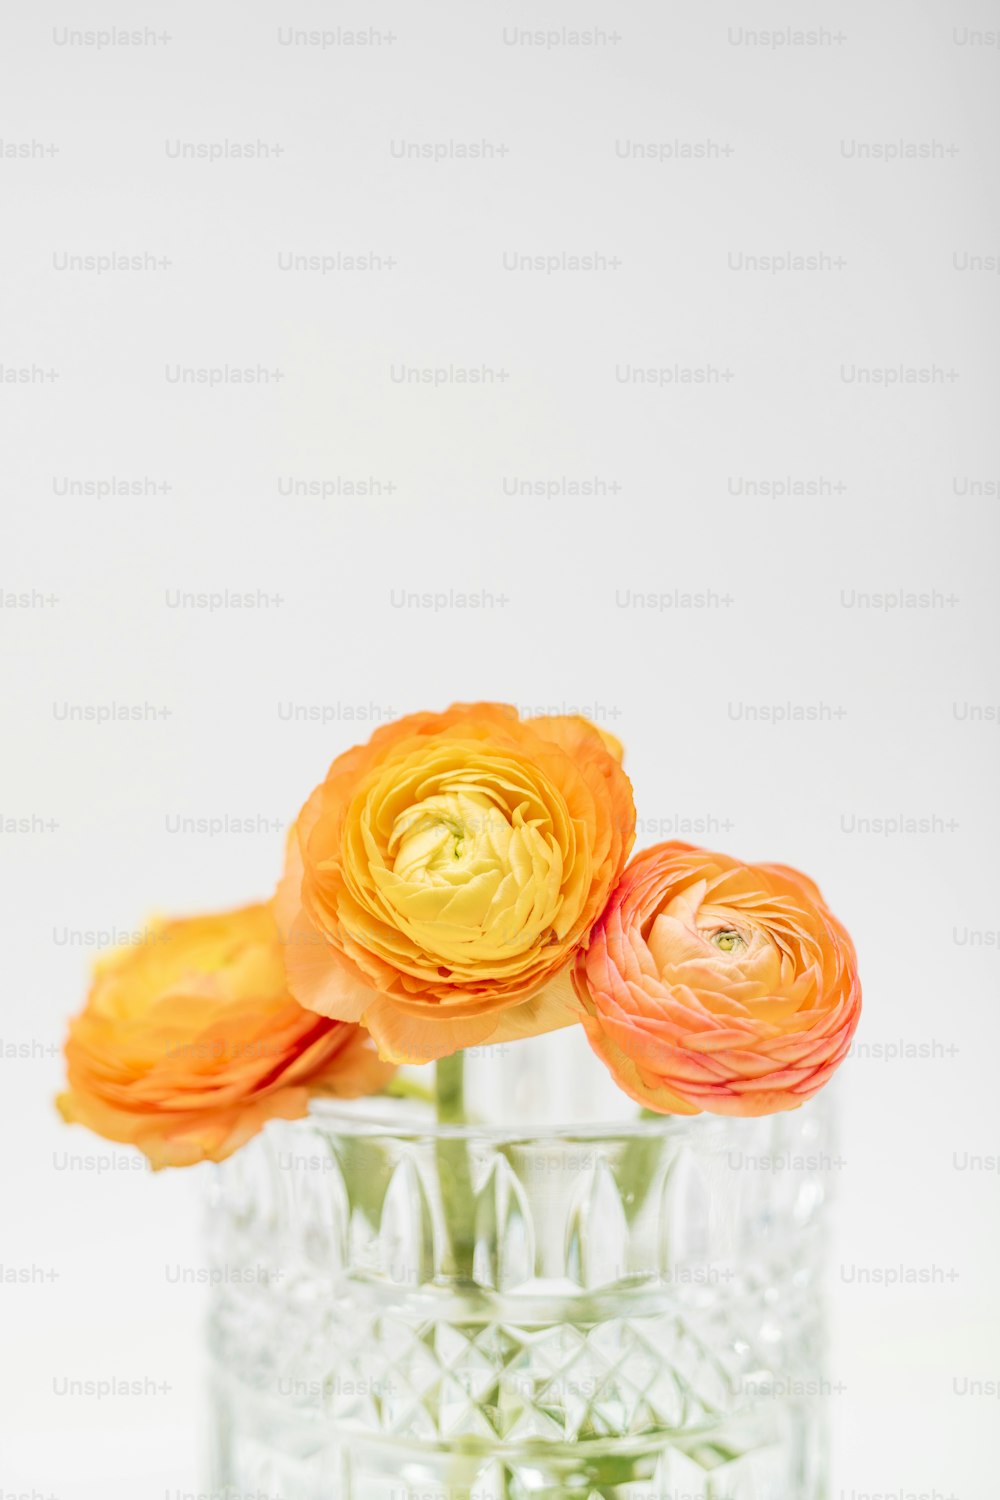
638 1163
454 1168
450 1087
405 1088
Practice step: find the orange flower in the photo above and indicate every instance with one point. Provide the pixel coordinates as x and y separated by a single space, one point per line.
190 1042
710 984
443 875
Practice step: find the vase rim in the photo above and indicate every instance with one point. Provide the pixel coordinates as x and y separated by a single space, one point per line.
408 1118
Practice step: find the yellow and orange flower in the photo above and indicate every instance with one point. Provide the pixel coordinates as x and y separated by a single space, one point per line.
190 1042
441 878
713 985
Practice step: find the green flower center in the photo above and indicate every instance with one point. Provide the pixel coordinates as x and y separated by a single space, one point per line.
727 939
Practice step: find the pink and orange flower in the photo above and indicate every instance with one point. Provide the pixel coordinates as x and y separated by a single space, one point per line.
713 985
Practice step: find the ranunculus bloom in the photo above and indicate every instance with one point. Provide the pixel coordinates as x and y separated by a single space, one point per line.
710 984
443 875
190 1042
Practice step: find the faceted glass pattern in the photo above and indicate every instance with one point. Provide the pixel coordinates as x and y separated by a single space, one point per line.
405 1311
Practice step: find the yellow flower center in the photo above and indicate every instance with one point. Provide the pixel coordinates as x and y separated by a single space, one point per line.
469 878
442 839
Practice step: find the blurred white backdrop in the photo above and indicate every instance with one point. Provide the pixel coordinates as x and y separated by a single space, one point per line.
768 566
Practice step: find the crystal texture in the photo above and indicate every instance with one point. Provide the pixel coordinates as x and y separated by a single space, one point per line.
407 1311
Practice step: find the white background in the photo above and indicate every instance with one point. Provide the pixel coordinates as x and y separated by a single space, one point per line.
903 700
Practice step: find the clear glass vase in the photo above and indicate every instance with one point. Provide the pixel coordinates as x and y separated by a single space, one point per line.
405 1310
